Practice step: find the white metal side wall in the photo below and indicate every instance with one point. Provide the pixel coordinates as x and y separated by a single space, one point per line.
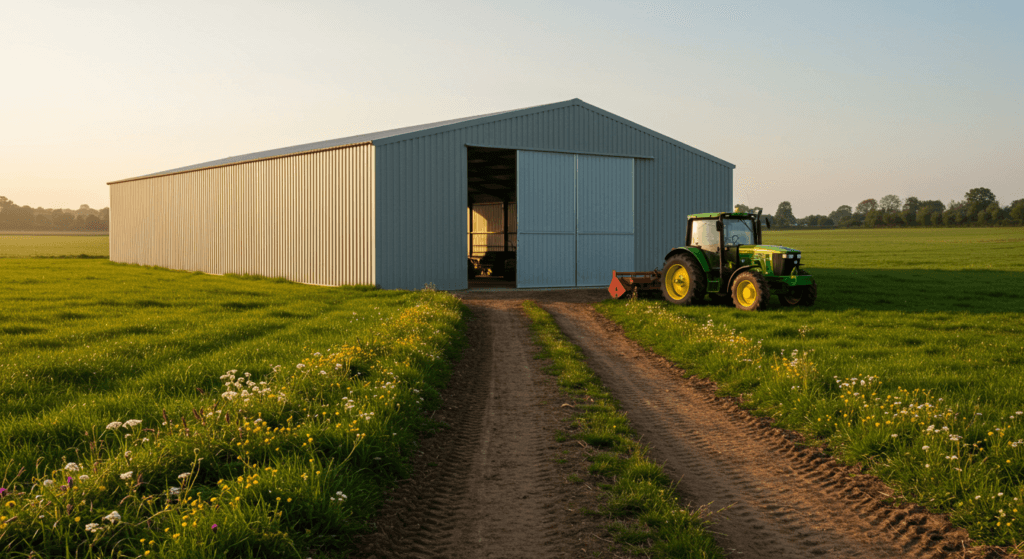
308 218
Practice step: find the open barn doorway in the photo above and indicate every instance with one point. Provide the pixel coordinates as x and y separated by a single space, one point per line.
491 219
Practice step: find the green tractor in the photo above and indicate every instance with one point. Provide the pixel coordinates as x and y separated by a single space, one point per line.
724 259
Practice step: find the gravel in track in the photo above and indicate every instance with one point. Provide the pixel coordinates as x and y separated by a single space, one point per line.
775 499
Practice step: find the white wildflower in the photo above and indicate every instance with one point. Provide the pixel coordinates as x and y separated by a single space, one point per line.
132 422
184 476
72 467
114 516
47 482
92 527
127 475
114 425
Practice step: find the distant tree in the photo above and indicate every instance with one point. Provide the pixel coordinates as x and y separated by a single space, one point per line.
924 217
63 221
909 216
932 205
866 206
1017 211
981 196
892 219
742 208
995 213
890 203
784 215
841 213
873 218
911 204
91 223
43 222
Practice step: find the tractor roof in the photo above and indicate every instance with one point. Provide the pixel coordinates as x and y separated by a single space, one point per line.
714 215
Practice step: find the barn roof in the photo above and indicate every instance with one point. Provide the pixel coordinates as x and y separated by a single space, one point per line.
408 132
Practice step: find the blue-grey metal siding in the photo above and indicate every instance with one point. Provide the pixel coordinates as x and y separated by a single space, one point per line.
546 256
421 185
604 231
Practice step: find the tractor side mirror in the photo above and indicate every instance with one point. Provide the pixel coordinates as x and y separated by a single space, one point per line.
768 222
718 225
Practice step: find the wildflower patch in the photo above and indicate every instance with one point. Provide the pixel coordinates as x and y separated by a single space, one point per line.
268 461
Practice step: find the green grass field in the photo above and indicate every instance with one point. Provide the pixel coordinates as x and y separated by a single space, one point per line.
216 416
911 361
24 246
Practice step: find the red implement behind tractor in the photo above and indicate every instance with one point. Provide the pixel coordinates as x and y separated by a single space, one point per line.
624 282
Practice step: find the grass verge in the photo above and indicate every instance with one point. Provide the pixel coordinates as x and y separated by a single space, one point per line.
153 412
940 421
642 499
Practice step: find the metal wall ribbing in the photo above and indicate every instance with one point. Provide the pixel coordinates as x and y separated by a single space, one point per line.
308 217
422 187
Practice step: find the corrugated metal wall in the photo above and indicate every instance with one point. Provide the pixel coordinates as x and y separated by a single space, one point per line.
422 189
547 222
309 218
604 218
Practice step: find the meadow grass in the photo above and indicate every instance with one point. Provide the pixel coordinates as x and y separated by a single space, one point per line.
650 519
148 411
24 246
910 362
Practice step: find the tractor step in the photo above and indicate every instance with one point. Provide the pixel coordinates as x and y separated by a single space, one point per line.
624 282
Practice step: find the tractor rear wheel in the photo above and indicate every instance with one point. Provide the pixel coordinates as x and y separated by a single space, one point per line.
683 281
750 292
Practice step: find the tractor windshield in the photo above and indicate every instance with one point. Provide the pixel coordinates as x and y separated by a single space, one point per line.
739 232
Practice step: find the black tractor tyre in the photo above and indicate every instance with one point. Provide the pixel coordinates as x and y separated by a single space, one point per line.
683 281
810 295
792 297
750 292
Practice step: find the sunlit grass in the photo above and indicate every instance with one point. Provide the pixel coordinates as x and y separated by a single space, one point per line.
22 246
218 416
910 361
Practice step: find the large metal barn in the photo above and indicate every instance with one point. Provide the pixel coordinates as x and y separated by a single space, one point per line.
557 195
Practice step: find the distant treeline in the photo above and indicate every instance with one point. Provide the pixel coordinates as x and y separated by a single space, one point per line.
24 218
978 208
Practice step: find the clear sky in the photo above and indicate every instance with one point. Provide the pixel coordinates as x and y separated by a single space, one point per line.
817 103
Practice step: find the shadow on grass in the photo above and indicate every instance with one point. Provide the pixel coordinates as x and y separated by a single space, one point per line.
971 291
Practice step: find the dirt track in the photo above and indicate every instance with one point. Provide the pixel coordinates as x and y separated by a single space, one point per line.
490 486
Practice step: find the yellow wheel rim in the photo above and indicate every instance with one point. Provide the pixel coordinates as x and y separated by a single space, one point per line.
677 281
746 293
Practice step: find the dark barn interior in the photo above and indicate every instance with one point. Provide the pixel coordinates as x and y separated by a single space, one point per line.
491 217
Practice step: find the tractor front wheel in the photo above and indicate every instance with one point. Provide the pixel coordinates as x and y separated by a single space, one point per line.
803 296
809 295
683 281
750 292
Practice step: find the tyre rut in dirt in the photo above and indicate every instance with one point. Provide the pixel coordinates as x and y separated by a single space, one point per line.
750 292
683 281
488 485
779 500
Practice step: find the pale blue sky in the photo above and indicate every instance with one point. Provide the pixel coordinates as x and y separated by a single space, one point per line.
818 103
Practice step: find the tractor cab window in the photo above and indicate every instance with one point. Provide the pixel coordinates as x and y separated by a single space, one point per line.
704 233
739 232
